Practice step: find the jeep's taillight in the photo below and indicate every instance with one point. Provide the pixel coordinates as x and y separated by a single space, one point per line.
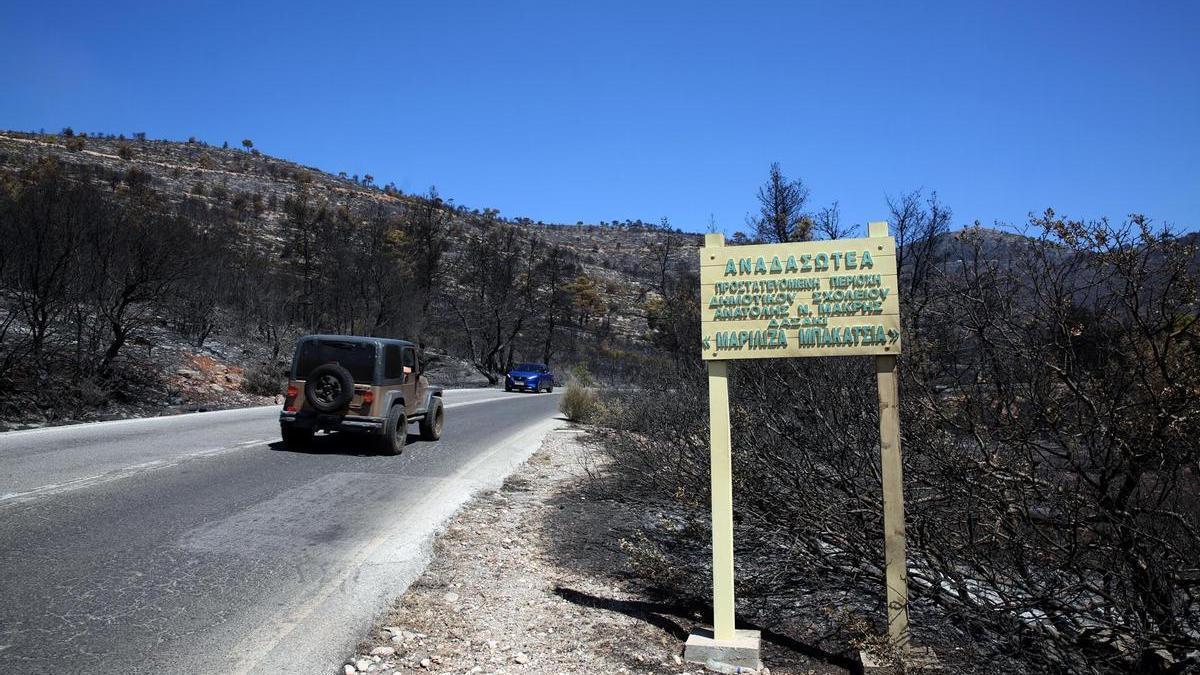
289 403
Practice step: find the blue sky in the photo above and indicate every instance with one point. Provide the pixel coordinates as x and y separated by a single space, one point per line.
599 111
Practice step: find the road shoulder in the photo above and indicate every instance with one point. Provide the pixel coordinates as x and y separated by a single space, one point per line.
498 596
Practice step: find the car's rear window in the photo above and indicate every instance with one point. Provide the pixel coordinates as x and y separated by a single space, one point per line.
357 357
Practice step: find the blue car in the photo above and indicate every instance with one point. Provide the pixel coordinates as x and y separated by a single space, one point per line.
529 377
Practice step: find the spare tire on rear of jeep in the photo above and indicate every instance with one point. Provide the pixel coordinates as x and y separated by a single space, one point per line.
329 387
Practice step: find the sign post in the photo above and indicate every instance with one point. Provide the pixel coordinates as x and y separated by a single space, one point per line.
722 500
823 298
892 471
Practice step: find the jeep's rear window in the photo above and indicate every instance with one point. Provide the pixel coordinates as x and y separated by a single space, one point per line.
357 357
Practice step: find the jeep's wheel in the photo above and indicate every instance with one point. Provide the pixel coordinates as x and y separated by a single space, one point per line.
295 437
329 387
431 424
395 432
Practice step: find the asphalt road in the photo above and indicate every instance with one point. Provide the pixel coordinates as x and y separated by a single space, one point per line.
198 544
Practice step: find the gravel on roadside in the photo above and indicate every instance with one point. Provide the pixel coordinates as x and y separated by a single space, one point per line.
499 596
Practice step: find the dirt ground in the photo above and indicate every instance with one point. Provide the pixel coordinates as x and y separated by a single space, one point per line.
530 579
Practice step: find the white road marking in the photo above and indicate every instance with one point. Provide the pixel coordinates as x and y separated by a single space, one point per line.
509 397
118 474
183 417
137 421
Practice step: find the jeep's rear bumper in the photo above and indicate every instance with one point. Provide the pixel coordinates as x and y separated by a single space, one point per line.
332 422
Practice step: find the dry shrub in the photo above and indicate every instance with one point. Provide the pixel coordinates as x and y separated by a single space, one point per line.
1050 404
263 379
580 403
93 392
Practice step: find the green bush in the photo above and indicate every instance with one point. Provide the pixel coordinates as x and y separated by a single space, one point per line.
580 403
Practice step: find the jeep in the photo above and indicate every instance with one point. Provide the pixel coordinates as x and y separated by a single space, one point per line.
368 385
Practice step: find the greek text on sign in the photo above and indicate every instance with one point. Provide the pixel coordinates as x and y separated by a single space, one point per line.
815 298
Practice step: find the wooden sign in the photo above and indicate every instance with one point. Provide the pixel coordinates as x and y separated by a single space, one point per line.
813 298
825 298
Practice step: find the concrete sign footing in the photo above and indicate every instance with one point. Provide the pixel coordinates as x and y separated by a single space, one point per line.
920 659
739 655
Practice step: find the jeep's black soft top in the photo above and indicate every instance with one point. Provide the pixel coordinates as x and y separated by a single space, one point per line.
361 355
357 338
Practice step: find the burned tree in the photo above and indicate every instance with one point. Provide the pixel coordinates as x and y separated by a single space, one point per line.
781 216
496 296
